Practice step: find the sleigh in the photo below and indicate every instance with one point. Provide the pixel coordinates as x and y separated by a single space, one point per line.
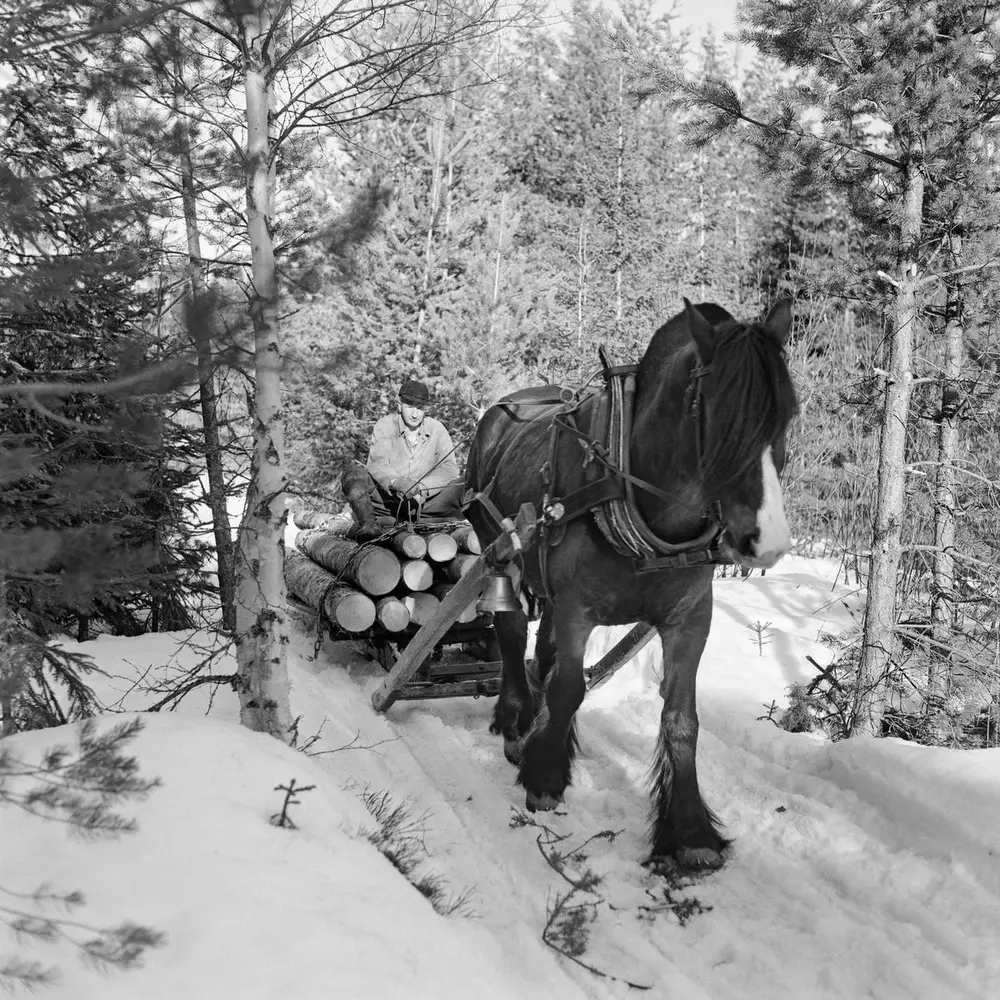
451 651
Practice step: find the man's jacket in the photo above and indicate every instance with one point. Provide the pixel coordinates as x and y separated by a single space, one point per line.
425 455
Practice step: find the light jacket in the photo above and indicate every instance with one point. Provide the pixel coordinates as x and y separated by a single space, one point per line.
391 456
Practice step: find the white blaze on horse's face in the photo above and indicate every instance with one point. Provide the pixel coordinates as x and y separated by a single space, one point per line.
773 538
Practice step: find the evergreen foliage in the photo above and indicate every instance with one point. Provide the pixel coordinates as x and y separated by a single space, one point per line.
94 473
80 787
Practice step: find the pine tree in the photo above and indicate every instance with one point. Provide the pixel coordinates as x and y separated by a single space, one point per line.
896 88
94 474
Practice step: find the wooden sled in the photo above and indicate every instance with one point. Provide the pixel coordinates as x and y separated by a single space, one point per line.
412 672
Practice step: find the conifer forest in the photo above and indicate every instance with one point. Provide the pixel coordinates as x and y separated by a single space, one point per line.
230 229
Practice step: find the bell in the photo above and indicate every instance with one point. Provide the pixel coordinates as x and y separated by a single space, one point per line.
498 595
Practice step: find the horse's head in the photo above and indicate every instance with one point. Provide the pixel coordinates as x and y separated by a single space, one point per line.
739 402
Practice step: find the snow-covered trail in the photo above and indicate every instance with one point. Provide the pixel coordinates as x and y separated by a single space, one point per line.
843 881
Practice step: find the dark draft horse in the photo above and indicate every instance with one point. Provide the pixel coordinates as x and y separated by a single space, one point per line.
717 460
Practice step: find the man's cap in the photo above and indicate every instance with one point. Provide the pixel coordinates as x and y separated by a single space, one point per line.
414 393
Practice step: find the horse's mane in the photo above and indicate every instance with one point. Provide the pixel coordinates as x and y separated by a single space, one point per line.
752 400
748 388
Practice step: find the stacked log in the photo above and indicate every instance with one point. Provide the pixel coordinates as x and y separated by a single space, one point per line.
338 523
312 584
392 614
418 574
441 547
458 567
371 568
392 582
467 539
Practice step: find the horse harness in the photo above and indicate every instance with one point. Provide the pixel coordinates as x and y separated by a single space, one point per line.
610 488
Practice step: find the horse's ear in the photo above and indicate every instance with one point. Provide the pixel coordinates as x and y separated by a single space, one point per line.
779 320
702 333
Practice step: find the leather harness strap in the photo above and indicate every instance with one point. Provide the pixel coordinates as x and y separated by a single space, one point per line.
610 490
611 493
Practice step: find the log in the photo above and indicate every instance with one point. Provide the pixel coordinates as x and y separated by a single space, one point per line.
459 567
339 524
422 607
441 547
408 543
418 574
346 607
372 568
467 539
440 591
392 614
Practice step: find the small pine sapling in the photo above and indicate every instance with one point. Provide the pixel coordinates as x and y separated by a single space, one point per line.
291 791
761 635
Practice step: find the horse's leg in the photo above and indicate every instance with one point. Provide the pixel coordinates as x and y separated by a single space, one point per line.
684 828
514 708
550 747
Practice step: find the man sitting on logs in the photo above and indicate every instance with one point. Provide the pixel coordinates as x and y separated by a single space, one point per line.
412 471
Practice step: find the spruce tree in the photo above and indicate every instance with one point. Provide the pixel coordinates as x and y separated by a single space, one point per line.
895 88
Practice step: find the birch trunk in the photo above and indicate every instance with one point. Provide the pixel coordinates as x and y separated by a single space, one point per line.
620 208
879 637
262 624
435 140
221 528
942 607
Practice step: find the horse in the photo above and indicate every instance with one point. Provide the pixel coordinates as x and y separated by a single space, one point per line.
700 469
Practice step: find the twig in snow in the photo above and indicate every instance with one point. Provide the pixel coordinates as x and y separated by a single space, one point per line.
282 819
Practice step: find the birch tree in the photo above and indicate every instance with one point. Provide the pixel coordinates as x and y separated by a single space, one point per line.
307 68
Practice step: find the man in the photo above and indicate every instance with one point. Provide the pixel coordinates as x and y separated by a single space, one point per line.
411 466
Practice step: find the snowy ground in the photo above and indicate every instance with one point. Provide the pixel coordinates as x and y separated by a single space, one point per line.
857 870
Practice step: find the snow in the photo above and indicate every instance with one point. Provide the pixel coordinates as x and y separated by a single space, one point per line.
858 869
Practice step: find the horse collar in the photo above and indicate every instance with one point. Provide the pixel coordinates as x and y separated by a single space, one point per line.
610 492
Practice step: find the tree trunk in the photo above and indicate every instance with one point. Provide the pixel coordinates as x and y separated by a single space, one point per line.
262 624
581 292
942 606
879 637
221 528
620 208
435 141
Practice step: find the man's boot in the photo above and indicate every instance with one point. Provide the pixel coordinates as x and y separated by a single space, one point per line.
356 484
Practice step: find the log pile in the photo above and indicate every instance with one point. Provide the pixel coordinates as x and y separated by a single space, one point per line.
390 582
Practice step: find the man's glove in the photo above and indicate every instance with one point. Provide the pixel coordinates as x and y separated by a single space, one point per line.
407 487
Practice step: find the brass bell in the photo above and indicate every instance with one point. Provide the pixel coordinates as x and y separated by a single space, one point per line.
498 595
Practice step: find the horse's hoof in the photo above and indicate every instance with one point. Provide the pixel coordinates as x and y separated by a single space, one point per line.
699 858
542 802
661 865
512 751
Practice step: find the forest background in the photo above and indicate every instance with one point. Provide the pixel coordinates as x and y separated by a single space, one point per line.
479 204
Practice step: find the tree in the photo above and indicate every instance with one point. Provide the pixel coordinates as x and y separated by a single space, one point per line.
94 471
896 88
316 69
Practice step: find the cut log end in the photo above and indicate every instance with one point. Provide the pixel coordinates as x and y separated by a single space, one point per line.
352 611
417 574
421 607
392 614
376 570
467 539
441 547
409 544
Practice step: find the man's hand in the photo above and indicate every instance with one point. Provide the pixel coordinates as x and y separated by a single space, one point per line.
409 488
